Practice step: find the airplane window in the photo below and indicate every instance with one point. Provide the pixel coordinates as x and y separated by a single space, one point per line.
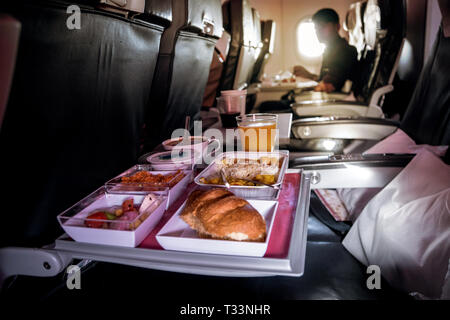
307 43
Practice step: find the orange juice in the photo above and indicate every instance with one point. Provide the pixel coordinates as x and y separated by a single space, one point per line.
258 136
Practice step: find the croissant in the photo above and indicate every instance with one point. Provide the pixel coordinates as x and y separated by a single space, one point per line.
219 214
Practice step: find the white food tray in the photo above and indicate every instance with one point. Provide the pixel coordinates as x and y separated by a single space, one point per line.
177 235
174 191
72 220
204 263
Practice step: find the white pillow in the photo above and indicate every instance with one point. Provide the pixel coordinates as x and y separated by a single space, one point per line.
400 142
355 199
405 228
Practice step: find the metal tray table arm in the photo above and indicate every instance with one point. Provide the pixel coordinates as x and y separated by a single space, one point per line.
352 171
361 128
336 108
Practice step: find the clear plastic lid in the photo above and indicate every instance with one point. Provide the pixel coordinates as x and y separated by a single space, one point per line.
113 211
142 178
233 92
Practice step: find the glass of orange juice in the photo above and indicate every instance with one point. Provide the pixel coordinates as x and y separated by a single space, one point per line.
258 131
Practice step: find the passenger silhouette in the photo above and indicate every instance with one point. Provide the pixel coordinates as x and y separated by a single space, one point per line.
339 59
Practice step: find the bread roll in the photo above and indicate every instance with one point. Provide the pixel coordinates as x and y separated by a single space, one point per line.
219 214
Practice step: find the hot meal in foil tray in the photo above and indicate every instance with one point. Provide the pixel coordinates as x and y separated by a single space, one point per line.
239 170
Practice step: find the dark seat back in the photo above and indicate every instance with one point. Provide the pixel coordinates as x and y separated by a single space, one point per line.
427 119
256 44
238 22
184 59
215 71
384 25
75 110
268 44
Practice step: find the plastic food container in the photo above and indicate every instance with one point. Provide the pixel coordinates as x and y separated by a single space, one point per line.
176 185
174 160
233 92
248 192
197 143
234 97
126 233
177 235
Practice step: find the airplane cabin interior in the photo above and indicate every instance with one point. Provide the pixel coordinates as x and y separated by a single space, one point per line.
225 149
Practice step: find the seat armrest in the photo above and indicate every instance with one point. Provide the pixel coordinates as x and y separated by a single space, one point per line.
340 108
352 171
361 128
323 102
38 262
254 88
379 93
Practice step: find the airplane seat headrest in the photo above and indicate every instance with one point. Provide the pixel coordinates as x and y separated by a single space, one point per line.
129 5
223 45
427 119
256 47
239 23
349 22
226 16
256 42
160 11
382 18
354 26
269 34
267 49
185 56
204 17
372 23
384 29
247 23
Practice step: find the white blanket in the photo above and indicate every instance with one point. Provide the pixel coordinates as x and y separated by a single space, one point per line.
405 228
